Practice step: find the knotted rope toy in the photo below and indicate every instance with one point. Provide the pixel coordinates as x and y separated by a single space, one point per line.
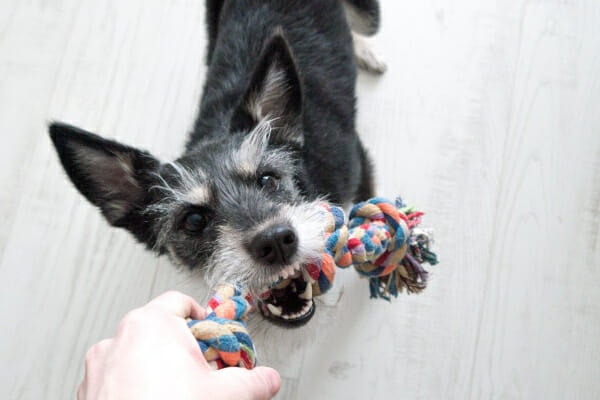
384 245
222 335
381 240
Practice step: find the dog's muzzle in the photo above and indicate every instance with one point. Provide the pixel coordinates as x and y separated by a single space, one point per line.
296 278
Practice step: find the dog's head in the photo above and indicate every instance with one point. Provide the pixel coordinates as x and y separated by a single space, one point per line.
235 205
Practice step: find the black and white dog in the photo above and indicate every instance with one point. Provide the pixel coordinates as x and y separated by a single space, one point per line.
275 135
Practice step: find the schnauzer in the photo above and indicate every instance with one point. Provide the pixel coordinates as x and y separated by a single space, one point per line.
275 136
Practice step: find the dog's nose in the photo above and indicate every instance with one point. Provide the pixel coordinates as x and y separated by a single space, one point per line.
275 245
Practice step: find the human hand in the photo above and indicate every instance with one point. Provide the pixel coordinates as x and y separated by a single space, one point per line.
154 356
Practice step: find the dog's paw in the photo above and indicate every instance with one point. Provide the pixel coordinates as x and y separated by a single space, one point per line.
365 57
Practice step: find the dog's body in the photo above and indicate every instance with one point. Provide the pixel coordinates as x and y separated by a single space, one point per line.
275 134
320 42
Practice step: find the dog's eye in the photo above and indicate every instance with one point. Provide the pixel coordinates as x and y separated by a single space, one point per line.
194 222
269 181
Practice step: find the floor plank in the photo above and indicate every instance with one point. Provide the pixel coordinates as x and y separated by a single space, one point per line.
487 119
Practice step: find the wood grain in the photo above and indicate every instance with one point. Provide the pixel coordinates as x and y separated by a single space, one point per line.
487 118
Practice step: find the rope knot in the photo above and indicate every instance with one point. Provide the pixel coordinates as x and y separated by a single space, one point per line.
381 240
223 336
385 247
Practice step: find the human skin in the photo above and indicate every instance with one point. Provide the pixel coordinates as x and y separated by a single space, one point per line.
154 356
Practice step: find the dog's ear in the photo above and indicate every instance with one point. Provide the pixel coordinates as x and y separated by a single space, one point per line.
274 93
112 176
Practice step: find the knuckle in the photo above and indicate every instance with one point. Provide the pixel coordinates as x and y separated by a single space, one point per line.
173 294
132 319
170 300
90 355
95 352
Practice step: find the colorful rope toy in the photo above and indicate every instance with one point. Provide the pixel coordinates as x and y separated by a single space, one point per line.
381 241
385 246
222 335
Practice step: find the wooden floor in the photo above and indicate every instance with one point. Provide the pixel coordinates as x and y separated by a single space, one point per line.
488 118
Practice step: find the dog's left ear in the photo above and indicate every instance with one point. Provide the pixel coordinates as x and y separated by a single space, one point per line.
274 93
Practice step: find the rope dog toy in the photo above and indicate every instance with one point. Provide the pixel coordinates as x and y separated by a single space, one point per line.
385 247
223 336
381 241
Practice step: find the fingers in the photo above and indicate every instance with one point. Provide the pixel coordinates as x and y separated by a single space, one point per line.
178 304
272 379
260 383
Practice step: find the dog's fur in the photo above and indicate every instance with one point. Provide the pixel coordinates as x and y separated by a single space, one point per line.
275 134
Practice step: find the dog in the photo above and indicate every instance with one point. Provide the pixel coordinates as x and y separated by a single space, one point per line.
274 137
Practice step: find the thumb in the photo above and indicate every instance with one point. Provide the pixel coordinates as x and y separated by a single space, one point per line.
260 383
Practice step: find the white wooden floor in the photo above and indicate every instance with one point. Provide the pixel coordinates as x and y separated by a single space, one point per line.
488 118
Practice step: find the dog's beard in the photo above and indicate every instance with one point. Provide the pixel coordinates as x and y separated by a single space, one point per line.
284 293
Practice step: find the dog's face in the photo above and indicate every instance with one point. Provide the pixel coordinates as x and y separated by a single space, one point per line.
235 208
234 205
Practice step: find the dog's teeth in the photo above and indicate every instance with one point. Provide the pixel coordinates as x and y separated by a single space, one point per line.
287 272
307 295
307 278
275 310
305 309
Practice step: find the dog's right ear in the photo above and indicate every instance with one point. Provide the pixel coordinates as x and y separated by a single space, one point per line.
274 93
114 177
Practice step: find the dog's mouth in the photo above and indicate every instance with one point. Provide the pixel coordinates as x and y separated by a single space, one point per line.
289 301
